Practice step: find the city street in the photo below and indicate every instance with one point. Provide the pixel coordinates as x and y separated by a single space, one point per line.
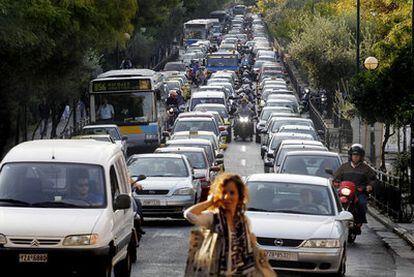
164 248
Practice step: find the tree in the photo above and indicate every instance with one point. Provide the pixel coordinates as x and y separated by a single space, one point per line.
44 45
386 95
324 47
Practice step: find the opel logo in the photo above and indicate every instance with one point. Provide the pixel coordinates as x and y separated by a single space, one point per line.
151 192
278 242
35 243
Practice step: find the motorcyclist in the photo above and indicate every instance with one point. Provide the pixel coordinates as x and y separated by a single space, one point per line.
172 99
358 172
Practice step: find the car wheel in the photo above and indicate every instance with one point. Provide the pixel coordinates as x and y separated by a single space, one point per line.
342 269
123 268
133 250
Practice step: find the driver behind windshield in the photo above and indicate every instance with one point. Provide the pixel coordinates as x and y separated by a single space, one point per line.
82 190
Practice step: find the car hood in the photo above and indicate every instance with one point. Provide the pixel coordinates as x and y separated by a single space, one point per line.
165 182
47 222
291 226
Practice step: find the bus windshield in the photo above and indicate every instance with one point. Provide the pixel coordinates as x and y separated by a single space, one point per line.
194 32
127 107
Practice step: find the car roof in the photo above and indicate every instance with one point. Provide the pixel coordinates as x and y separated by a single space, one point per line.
289 178
208 93
187 133
179 149
292 118
86 151
291 134
297 127
303 146
199 118
196 114
158 155
211 105
314 153
301 142
189 141
280 100
100 126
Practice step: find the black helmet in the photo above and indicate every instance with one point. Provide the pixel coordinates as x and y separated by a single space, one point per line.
357 149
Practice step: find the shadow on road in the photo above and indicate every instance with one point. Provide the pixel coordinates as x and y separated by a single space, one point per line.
161 222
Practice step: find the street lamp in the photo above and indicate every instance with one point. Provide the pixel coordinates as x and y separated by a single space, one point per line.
371 63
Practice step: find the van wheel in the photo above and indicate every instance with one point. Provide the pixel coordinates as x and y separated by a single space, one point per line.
123 268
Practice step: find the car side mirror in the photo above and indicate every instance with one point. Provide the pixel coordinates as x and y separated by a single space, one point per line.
219 156
198 175
329 171
122 202
124 138
344 216
270 155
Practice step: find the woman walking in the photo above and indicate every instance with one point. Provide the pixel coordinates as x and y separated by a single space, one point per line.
223 214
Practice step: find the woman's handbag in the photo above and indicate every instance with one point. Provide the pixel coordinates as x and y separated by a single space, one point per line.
203 253
263 268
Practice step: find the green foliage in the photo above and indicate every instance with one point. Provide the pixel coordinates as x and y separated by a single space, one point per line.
324 47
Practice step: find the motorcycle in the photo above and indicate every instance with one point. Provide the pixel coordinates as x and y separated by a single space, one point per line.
172 114
243 127
347 193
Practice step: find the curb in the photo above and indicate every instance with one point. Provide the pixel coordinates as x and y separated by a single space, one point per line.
394 227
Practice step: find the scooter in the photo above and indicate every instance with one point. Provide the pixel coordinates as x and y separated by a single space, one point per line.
347 193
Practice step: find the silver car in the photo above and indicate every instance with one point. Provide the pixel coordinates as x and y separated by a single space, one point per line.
170 186
299 222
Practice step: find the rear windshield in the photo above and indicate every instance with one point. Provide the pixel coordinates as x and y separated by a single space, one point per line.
158 167
206 100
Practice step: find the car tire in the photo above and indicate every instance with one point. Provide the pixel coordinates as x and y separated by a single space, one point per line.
133 250
123 268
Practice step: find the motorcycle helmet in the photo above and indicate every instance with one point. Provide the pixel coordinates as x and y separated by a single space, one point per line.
356 149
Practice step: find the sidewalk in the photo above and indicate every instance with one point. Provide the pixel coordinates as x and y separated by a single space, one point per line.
399 237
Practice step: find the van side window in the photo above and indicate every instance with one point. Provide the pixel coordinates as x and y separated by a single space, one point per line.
122 174
114 183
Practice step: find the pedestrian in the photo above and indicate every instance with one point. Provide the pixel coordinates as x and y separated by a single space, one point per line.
44 112
234 251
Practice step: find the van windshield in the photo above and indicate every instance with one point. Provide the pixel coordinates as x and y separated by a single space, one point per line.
52 185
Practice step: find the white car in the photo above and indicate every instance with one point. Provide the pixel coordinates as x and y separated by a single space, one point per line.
66 204
299 222
171 185
110 129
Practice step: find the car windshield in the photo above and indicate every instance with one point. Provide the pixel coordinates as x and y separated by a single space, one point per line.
290 198
300 131
52 185
283 151
196 136
209 150
102 131
277 124
309 165
206 100
202 125
174 67
221 110
157 167
196 159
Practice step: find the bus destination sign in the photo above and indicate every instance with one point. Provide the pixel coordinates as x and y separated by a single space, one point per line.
121 85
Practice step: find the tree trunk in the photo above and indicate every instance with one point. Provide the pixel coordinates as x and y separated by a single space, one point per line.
387 135
57 111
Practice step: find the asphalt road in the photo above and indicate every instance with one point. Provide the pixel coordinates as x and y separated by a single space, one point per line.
163 251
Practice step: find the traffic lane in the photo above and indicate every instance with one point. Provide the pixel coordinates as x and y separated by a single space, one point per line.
163 250
366 257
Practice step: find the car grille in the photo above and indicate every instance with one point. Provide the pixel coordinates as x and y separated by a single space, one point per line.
285 242
291 264
35 242
162 209
152 192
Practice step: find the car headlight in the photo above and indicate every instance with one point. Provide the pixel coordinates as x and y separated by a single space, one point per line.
184 191
328 243
244 119
262 103
345 191
3 239
80 240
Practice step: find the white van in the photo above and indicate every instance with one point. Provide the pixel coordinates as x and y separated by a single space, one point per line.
66 204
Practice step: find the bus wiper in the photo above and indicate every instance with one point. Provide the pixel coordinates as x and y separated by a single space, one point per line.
258 210
56 204
15 201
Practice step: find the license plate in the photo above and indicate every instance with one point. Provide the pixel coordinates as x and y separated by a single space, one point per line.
282 256
33 258
151 202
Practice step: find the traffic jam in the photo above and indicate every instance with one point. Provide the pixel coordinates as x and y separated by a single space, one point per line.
155 143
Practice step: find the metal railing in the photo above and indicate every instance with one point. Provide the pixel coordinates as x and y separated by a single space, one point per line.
391 196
